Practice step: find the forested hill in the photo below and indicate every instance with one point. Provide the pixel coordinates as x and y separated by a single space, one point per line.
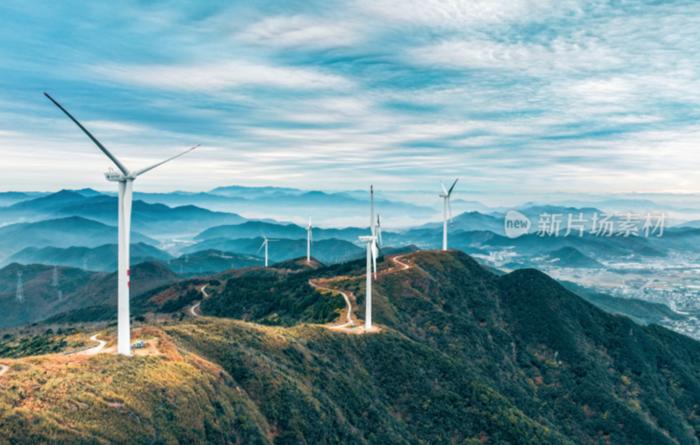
463 356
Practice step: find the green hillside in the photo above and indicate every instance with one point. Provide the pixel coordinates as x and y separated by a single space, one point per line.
463 356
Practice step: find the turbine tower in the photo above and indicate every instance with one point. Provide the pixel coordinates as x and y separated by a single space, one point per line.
371 208
309 238
125 180
20 288
372 252
54 278
446 210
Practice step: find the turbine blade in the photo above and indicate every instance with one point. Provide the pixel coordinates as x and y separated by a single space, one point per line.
444 190
144 170
449 209
375 254
113 158
449 192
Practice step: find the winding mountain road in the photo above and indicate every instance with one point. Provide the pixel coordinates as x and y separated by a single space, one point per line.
195 307
97 349
351 323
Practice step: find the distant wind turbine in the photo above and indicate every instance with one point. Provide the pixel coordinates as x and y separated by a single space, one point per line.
309 238
54 277
446 210
20 288
264 244
125 179
372 252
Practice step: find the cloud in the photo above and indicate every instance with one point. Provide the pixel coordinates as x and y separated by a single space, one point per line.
218 76
557 56
299 31
460 13
512 95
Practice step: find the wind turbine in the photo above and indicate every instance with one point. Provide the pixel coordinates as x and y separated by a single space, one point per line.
125 180
20 288
264 244
446 209
309 238
372 252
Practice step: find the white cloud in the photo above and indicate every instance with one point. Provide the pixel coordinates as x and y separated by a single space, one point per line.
560 55
300 32
221 76
460 13
115 127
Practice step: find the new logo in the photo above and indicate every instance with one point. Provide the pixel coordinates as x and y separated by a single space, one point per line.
516 224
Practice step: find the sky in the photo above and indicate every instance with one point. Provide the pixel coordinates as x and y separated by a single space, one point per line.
515 97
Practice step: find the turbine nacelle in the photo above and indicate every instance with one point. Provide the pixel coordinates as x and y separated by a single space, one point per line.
114 176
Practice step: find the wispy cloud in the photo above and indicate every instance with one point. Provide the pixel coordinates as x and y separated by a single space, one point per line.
221 75
512 95
298 31
558 56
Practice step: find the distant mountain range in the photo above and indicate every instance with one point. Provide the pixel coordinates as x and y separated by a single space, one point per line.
251 229
210 261
470 221
78 289
102 258
291 204
572 257
63 233
9 198
327 251
153 219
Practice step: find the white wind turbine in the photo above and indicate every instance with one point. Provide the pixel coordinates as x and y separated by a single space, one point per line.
372 252
125 179
446 210
264 244
309 238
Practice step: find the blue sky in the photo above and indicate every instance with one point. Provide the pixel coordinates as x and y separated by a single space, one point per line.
514 96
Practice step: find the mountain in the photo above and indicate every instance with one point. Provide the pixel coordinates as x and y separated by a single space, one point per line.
327 251
285 204
239 191
78 288
10 198
62 232
42 206
470 221
41 297
533 244
152 218
252 229
463 356
102 258
211 261
643 312
572 257
273 296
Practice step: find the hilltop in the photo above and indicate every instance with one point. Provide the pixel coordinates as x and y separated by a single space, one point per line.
464 356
